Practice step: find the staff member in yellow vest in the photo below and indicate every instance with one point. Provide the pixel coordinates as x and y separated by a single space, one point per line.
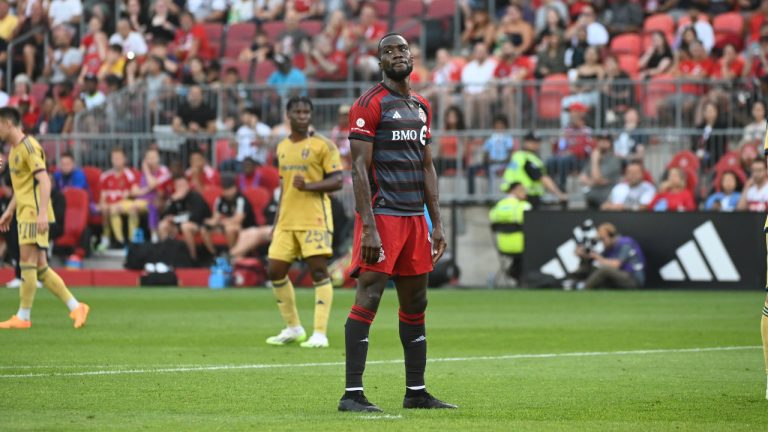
526 168
507 224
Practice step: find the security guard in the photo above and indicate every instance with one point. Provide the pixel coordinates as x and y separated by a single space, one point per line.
526 168
507 223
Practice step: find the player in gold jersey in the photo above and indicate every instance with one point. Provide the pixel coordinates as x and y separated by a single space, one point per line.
764 319
34 213
310 168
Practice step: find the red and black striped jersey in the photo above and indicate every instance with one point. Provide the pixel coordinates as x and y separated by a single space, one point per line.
399 128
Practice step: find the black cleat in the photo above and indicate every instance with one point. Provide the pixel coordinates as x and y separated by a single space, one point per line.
355 401
424 400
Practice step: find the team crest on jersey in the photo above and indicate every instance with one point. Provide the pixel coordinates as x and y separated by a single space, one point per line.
422 115
360 122
305 153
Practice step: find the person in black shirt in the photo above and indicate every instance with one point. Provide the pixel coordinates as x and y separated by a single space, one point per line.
232 213
185 214
194 115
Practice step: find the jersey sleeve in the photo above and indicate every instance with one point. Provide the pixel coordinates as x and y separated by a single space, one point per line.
363 120
331 158
428 111
33 156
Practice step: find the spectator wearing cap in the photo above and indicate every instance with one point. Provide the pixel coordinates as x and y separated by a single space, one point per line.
597 35
526 168
131 41
496 153
476 77
601 173
572 147
287 80
191 40
232 213
64 12
64 62
634 193
207 10
506 219
91 95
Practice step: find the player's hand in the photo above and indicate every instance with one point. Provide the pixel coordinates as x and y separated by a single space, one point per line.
42 223
299 183
370 245
5 221
1 162
438 244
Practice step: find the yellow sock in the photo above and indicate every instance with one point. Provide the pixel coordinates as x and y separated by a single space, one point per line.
323 301
117 227
28 285
106 229
133 224
764 333
286 301
56 285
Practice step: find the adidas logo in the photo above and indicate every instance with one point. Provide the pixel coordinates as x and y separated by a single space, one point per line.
320 302
364 340
421 338
567 261
692 265
397 115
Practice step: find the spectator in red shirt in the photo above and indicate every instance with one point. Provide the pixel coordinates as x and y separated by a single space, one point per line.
759 17
307 8
324 63
94 48
200 174
191 40
366 35
730 65
574 146
116 187
511 70
21 89
673 194
420 75
697 69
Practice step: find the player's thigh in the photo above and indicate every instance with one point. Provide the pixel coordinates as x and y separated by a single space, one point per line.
284 246
29 236
412 292
315 243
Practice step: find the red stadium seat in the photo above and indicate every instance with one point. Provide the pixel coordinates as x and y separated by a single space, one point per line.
731 22
660 22
224 151
553 89
382 7
410 28
75 218
263 71
409 9
686 160
657 90
210 194
311 27
441 9
627 43
214 32
259 198
270 177
239 36
273 29
93 177
630 65
730 161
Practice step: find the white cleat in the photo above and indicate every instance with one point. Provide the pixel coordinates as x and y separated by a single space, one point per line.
16 283
288 336
316 341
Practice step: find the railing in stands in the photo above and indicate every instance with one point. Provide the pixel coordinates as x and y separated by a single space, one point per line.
13 44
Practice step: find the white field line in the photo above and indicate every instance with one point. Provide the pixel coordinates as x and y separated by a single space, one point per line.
382 417
224 367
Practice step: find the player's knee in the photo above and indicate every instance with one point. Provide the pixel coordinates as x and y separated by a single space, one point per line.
276 274
370 300
319 274
415 306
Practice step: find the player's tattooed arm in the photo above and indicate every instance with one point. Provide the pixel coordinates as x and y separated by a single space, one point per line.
362 155
432 200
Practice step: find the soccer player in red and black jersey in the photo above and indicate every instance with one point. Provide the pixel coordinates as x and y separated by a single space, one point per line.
393 177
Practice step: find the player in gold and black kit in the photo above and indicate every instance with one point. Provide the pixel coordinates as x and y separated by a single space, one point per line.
32 206
310 168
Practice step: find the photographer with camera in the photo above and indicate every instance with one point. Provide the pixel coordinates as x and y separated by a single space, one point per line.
609 259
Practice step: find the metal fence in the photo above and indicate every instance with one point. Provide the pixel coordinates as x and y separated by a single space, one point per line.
667 103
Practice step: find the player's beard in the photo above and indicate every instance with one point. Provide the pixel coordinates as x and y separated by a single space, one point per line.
398 75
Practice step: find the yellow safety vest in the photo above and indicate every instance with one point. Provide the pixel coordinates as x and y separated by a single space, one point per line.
507 223
515 172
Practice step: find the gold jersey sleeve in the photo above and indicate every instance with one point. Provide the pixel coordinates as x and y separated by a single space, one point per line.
26 160
314 159
765 144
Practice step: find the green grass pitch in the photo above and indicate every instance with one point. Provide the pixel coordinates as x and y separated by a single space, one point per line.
172 359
